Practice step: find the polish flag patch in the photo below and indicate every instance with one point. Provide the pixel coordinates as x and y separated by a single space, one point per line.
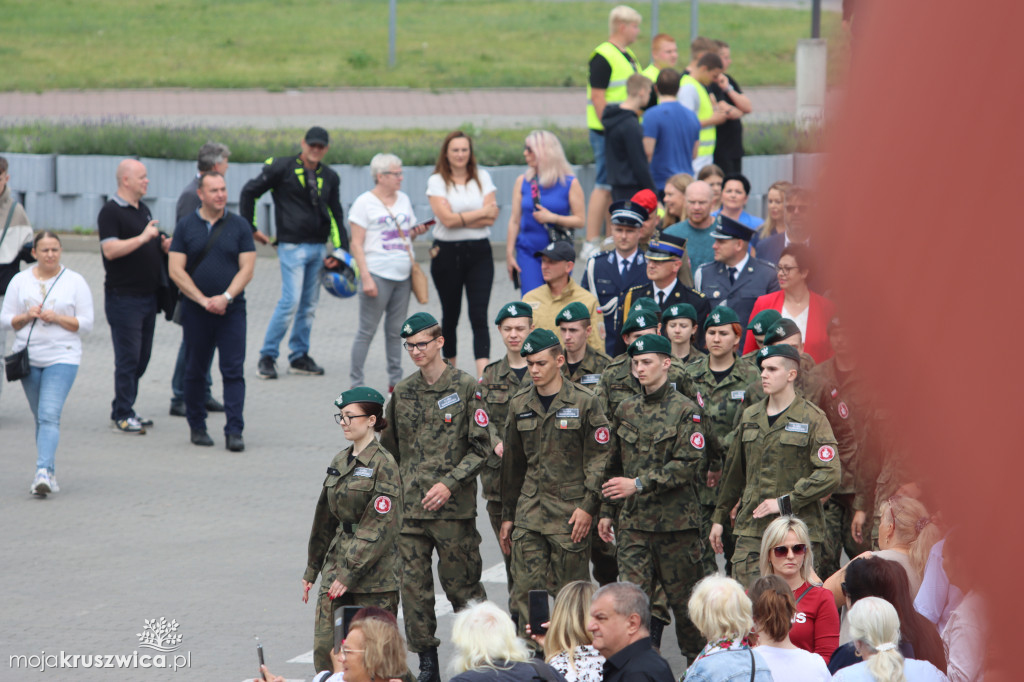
697 440
382 504
480 417
826 453
602 435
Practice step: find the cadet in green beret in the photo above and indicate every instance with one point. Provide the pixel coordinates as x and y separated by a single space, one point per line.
438 432
758 326
356 525
500 381
556 449
657 448
783 460
718 382
583 364
680 323
786 332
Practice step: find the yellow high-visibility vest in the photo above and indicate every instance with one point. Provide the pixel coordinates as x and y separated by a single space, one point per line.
622 68
706 110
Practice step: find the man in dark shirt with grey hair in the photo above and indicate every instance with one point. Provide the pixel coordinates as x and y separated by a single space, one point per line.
619 617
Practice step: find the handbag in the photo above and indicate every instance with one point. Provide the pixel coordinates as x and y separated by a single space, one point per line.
176 315
16 365
555 233
420 287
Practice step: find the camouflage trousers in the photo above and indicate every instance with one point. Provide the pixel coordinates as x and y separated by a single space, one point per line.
544 562
458 567
494 514
672 562
746 558
838 537
323 630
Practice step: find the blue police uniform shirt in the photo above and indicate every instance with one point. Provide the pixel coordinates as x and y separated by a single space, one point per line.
754 278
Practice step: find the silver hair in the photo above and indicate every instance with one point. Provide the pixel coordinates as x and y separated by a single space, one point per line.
382 163
212 153
628 599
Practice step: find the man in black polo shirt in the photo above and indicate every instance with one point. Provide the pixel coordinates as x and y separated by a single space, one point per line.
214 307
131 245
619 618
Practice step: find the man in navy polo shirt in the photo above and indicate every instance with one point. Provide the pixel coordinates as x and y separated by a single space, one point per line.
213 315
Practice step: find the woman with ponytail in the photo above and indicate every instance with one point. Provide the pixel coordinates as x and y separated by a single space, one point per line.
875 627
774 610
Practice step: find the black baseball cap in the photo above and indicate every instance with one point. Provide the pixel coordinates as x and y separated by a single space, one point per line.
317 135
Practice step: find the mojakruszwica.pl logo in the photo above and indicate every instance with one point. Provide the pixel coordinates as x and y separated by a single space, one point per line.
160 636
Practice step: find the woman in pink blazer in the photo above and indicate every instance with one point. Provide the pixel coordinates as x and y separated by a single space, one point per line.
794 300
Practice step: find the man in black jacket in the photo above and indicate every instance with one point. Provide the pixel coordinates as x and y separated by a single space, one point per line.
620 614
307 210
628 170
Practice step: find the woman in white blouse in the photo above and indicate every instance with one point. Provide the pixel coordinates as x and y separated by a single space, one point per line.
382 226
462 198
49 307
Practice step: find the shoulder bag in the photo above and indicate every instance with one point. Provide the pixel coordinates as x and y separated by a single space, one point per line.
16 365
420 288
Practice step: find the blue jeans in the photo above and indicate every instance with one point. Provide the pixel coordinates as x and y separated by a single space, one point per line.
300 291
600 169
178 378
131 320
46 389
203 332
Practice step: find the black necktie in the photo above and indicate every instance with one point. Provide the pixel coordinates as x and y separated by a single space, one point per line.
661 299
732 275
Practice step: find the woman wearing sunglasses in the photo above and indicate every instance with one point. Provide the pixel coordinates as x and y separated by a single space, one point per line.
786 552
356 524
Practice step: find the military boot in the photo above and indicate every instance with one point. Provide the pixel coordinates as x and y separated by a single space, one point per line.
657 627
430 669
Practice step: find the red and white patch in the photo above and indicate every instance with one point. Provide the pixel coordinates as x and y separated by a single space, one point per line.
697 440
700 399
826 453
602 435
844 411
480 417
382 504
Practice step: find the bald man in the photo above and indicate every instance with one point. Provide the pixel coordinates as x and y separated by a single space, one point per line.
696 229
133 258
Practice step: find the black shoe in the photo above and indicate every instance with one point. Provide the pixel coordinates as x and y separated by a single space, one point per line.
146 423
213 406
430 669
234 442
201 437
657 628
305 365
266 367
177 409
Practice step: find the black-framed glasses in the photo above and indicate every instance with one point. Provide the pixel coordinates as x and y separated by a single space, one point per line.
786 270
346 419
782 551
421 346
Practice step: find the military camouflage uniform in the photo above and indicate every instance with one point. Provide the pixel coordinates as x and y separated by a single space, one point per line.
553 464
755 391
588 373
796 456
618 383
720 402
355 527
438 434
659 439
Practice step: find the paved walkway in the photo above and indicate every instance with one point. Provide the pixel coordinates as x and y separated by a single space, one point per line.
350 108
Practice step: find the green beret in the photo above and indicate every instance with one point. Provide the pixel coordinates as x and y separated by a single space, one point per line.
538 340
638 321
783 329
781 350
361 394
514 309
763 320
574 312
721 315
647 305
417 323
650 343
679 310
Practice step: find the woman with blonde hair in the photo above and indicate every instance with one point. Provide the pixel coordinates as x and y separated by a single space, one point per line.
487 649
674 200
567 644
875 627
775 222
714 176
722 613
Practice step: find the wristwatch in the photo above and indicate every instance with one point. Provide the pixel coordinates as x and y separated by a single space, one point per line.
229 297
638 484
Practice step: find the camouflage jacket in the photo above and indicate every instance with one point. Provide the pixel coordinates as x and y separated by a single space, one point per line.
588 373
846 403
554 460
618 383
357 521
438 434
755 391
659 439
497 385
720 401
796 456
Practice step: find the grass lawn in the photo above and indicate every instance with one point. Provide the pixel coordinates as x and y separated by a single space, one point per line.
277 44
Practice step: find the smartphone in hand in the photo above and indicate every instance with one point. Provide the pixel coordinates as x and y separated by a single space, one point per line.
540 611
259 654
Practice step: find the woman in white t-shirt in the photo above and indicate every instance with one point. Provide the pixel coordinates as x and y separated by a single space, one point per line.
49 307
382 226
774 610
462 198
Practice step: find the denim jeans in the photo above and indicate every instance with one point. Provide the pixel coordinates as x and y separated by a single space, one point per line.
132 320
392 298
46 389
203 333
300 291
178 378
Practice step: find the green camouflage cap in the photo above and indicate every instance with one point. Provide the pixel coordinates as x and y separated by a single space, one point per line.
538 340
763 321
638 321
783 329
650 343
513 309
782 350
647 305
360 394
679 311
721 315
417 323
574 312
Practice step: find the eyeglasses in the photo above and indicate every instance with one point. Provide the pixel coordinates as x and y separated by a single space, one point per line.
793 208
398 173
346 419
782 551
346 652
421 346
787 269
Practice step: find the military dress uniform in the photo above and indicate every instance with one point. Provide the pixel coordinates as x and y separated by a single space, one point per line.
357 521
795 457
608 283
553 463
438 433
588 372
658 439
680 294
756 278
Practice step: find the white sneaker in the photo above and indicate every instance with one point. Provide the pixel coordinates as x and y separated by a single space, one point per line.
129 425
41 485
54 488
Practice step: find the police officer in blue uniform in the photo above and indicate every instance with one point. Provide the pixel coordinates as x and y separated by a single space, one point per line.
735 278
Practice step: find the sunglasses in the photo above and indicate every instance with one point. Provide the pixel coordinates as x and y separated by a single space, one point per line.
782 551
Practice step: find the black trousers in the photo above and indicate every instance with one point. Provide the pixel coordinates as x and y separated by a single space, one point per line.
465 265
